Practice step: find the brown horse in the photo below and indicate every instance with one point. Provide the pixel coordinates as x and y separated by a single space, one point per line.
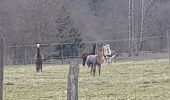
38 59
86 53
95 60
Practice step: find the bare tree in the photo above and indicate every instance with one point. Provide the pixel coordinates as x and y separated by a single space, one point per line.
147 19
132 35
24 21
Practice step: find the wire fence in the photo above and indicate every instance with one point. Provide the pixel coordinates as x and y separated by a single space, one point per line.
142 76
63 52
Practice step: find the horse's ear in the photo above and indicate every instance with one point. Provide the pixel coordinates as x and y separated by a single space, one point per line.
100 44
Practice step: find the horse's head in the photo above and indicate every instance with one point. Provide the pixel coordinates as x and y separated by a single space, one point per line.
37 45
107 50
38 50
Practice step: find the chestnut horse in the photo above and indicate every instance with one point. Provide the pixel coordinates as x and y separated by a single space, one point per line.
86 53
95 60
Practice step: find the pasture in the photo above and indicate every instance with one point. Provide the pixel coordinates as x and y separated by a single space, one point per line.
130 80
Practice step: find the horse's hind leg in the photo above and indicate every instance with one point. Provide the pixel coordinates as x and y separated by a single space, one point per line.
109 61
38 67
84 61
41 67
89 66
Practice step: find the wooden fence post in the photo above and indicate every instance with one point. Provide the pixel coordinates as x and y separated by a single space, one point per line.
72 88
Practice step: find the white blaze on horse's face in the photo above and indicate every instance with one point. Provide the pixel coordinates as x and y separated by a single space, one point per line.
38 45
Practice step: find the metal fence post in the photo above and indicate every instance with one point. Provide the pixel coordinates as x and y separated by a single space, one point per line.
79 52
70 51
62 53
1 67
26 55
17 61
168 44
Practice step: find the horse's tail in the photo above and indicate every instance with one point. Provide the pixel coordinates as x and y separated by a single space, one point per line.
84 60
83 56
94 49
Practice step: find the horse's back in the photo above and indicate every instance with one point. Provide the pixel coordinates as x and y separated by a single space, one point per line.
91 59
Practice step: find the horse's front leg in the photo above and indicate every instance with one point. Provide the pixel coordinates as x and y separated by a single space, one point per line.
36 68
99 68
91 70
94 69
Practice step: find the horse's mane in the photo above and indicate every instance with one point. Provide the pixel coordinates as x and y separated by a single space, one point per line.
38 53
94 49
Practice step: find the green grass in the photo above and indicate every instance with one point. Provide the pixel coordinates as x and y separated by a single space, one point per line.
133 80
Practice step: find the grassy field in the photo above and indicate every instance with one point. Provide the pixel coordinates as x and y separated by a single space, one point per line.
133 80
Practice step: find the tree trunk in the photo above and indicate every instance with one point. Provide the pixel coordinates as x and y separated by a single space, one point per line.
132 37
141 29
